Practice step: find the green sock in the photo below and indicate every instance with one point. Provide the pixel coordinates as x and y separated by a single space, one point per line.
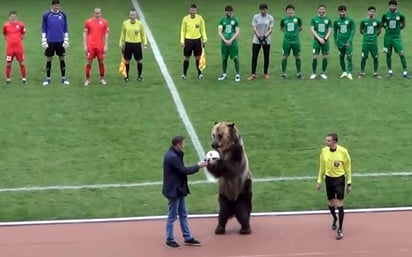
284 64
224 65
298 64
403 62
314 65
324 65
389 61
375 64
363 64
237 66
350 65
342 62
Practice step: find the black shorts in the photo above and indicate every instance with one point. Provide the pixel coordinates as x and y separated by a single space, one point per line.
55 48
192 46
132 49
335 187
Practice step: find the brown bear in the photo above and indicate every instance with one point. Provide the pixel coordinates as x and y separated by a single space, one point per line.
234 177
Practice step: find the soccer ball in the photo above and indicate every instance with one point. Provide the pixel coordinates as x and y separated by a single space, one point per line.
212 155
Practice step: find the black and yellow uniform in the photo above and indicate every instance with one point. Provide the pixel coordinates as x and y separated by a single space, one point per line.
193 34
335 165
131 38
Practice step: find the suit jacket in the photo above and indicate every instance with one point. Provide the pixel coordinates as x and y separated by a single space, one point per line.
175 174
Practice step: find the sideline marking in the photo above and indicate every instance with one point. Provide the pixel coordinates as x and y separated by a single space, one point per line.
172 89
195 182
147 218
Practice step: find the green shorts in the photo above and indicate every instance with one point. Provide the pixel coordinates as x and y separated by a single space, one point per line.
390 43
318 47
370 48
288 46
345 50
231 51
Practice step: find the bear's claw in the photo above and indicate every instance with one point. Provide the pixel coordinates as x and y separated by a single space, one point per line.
245 231
220 230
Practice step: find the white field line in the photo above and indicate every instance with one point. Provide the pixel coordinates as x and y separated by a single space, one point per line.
195 182
172 88
194 216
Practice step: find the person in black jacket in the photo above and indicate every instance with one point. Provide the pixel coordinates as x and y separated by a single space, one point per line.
175 189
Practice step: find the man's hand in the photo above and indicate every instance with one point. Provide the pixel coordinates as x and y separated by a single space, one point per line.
105 49
349 188
318 186
44 45
321 41
182 44
66 43
262 40
202 163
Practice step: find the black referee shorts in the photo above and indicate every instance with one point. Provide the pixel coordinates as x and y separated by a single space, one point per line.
192 46
335 187
132 49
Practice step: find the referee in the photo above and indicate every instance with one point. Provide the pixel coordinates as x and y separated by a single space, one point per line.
335 166
131 38
192 39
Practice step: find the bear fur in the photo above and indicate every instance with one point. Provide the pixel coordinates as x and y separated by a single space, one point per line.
234 177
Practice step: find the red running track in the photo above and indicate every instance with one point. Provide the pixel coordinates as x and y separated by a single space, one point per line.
385 234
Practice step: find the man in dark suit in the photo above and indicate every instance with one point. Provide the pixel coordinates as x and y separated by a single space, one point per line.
175 189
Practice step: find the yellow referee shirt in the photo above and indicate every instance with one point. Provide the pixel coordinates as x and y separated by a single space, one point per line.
335 164
132 33
193 28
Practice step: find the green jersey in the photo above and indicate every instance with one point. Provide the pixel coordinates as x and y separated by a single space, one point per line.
321 25
343 30
291 27
370 29
228 26
393 23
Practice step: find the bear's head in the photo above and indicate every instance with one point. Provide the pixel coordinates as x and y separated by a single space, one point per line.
224 136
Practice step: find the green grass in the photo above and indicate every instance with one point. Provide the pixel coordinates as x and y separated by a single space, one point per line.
118 134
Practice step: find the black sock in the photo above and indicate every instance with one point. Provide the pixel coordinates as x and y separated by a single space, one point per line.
127 69
185 67
341 215
332 211
197 67
48 68
139 69
63 68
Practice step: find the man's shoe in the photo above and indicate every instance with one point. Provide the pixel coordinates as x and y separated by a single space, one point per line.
172 244
339 235
65 81
377 76
343 75
334 226
46 82
222 77
192 242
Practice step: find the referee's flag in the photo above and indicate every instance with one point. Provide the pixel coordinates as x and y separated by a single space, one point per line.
202 61
122 67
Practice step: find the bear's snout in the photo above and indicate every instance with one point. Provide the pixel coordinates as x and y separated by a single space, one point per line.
215 145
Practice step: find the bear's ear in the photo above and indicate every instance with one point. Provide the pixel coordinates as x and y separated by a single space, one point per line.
216 122
231 124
